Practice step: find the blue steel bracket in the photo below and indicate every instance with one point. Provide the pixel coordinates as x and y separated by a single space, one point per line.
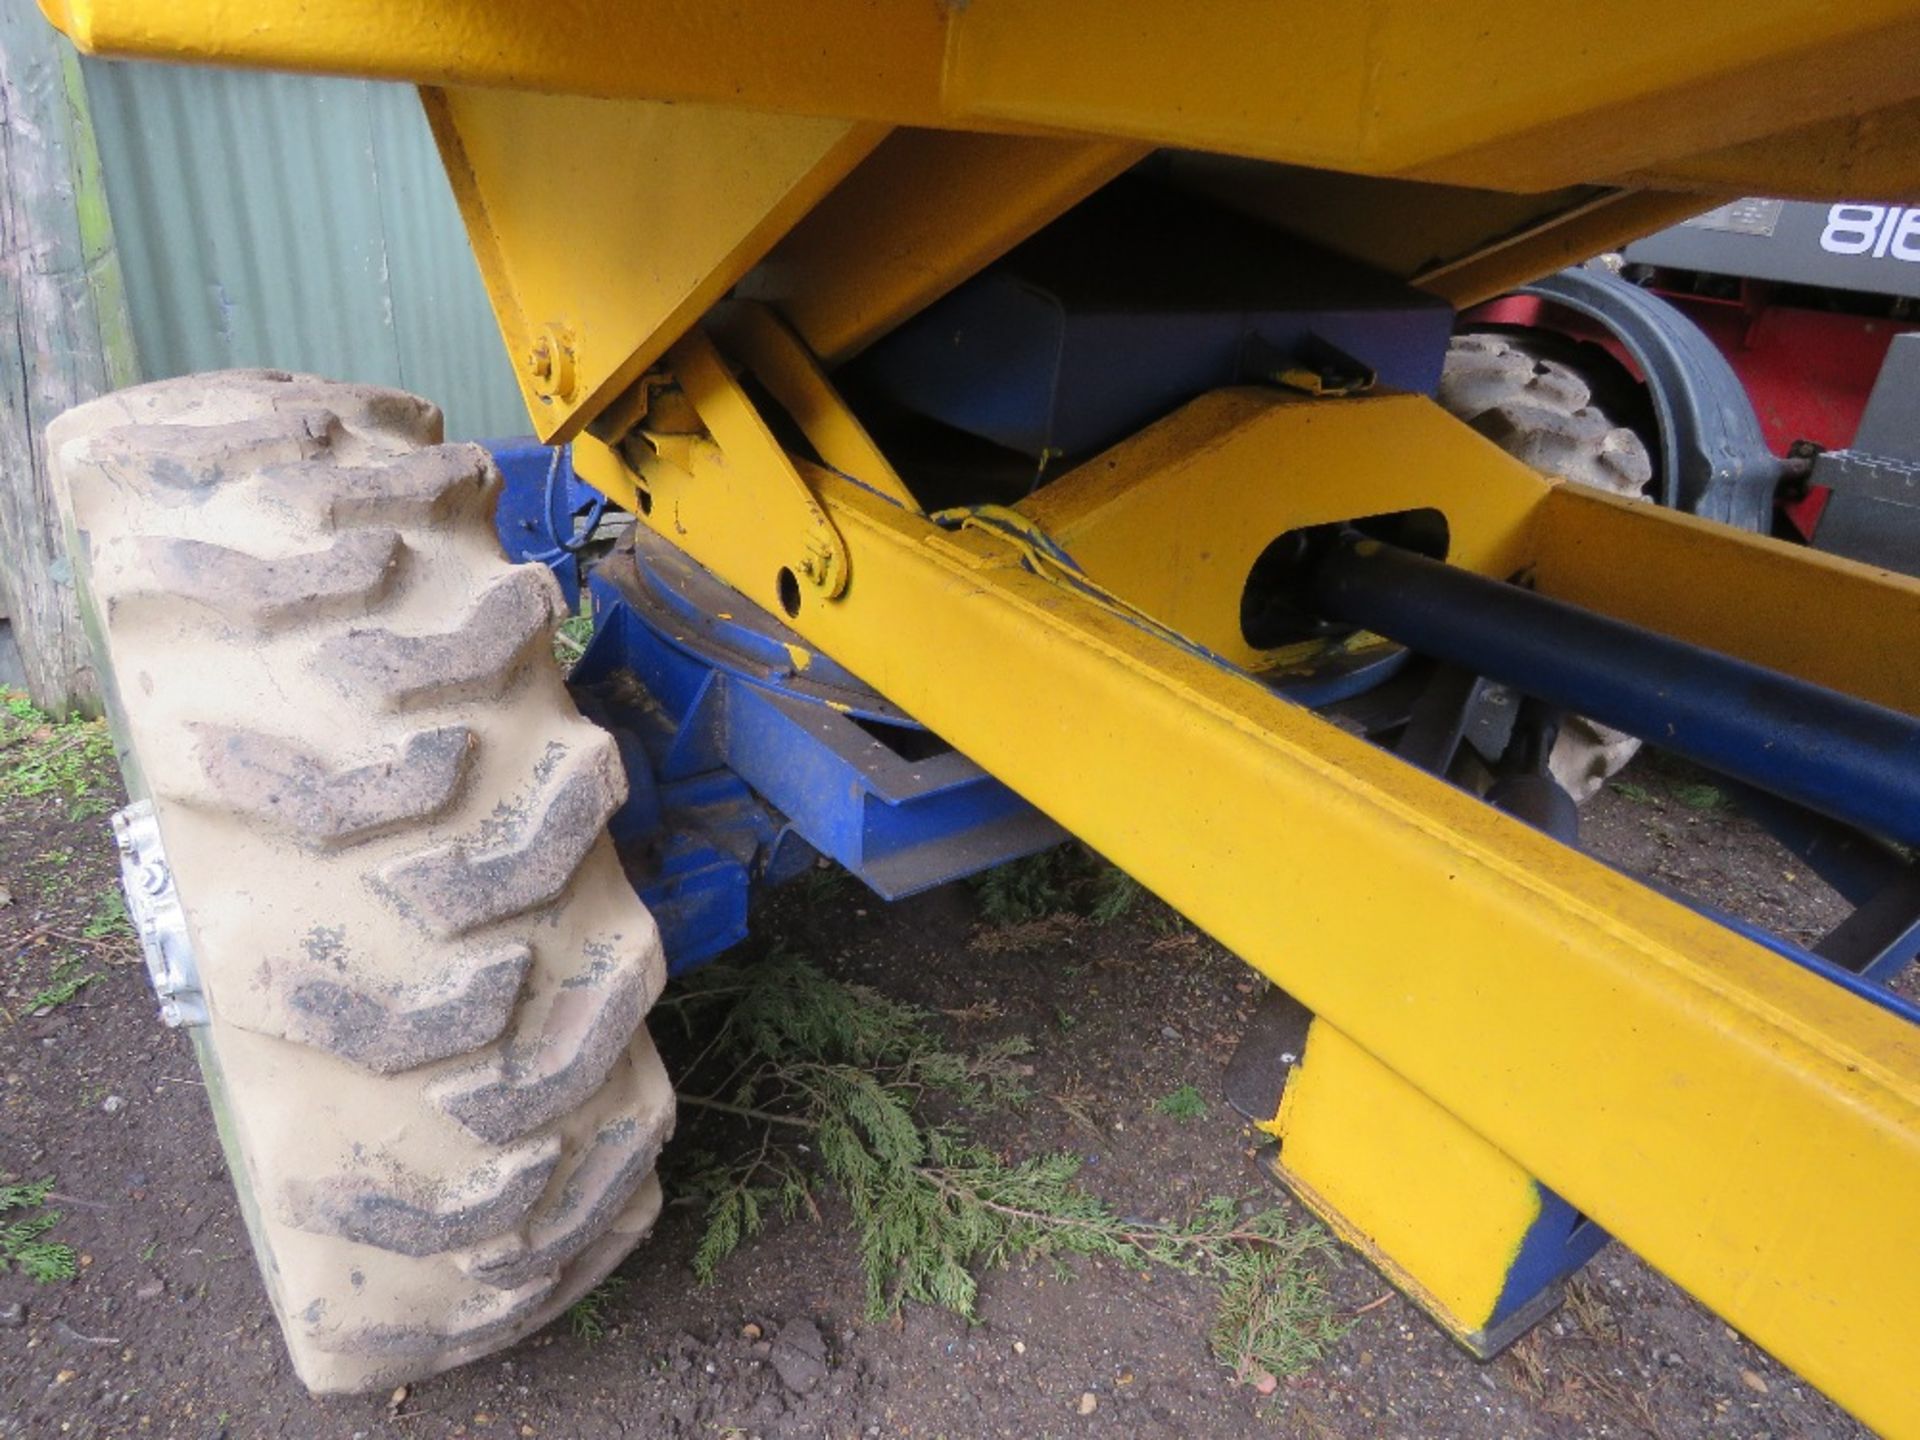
747 755
541 500
1714 459
756 753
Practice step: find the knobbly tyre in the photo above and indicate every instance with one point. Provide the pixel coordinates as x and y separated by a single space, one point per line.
1763 354
1027 415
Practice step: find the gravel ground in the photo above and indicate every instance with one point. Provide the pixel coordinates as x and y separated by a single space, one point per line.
165 1331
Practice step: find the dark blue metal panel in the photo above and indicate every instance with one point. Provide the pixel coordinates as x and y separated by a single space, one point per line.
1857 865
744 763
1882 936
697 871
540 502
1559 1242
1130 306
854 777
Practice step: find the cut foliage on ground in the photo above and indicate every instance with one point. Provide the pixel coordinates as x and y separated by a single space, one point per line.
590 1317
25 1219
837 1084
571 637
1068 880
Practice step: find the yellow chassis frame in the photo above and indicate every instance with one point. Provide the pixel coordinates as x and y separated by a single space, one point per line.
1745 1125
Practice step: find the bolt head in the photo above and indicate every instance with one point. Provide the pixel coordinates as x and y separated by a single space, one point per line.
540 360
551 365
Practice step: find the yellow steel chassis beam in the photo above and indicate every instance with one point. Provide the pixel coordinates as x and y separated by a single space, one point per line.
1744 1124
1173 519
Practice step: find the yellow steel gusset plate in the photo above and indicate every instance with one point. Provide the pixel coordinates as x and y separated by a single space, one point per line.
755 336
745 475
1173 518
926 209
1398 1178
603 229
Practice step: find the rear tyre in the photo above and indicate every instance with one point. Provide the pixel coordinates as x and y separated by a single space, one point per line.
424 970
1541 412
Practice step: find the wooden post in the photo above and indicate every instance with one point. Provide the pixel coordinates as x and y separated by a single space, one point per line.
70 338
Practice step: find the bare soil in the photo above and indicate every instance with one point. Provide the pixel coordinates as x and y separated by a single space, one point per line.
165 1331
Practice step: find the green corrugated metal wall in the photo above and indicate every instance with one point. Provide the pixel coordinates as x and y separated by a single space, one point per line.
298 223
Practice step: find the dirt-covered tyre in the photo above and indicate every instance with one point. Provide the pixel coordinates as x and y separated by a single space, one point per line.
425 975
1541 411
